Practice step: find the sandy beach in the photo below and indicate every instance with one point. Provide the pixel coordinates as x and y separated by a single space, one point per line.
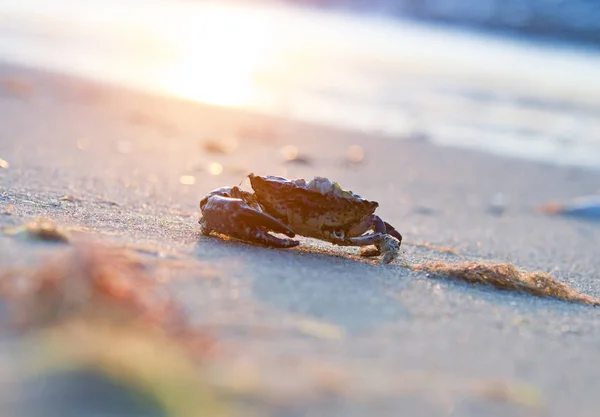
317 329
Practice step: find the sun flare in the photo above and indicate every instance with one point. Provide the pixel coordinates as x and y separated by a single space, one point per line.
217 55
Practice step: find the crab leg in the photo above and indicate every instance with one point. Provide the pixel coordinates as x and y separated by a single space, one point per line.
379 226
370 239
382 238
384 244
376 224
258 236
254 219
234 217
390 230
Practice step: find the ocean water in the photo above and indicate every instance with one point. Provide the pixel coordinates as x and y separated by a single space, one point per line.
393 77
562 20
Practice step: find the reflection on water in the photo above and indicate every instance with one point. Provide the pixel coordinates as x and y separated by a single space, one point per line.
369 74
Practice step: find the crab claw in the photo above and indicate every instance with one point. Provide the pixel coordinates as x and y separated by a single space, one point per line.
256 219
234 217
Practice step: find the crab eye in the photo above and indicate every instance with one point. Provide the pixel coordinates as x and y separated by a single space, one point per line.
338 234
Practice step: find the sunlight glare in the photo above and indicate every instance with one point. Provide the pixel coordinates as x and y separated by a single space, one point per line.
218 52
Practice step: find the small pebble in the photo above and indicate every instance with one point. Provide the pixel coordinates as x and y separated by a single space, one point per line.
4 164
289 152
221 146
292 155
69 197
498 204
424 210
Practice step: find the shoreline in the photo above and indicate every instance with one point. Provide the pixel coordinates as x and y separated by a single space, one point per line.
403 80
432 137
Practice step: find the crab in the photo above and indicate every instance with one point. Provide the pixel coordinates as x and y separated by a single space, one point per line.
318 209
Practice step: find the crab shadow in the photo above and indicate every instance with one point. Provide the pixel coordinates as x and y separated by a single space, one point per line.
337 286
317 281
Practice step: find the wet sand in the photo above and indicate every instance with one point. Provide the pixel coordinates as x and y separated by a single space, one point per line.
324 331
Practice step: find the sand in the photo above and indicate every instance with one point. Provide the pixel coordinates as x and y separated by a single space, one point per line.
317 329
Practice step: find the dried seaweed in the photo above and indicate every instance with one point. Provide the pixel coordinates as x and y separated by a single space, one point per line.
100 308
98 282
506 276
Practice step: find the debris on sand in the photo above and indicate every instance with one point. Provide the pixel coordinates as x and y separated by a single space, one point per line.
224 146
41 229
506 276
87 279
425 211
320 329
70 198
498 204
587 207
291 154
